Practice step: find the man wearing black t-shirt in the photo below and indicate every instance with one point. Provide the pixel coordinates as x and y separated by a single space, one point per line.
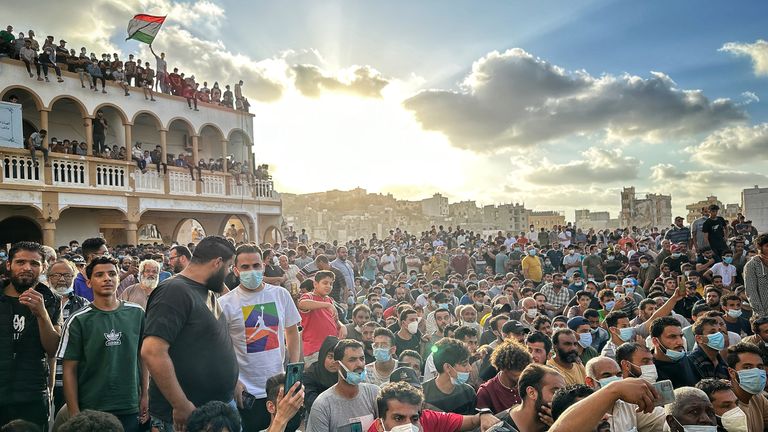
715 231
187 346
408 336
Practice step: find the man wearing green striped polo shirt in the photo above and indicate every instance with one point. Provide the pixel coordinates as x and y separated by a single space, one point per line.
100 350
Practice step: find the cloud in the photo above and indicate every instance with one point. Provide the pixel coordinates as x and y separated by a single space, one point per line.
749 97
364 81
733 145
697 183
516 100
597 166
757 51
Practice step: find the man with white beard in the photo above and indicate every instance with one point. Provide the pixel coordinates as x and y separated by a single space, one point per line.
138 293
61 278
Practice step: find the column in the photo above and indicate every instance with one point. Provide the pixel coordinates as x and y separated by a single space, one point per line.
89 134
128 140
49 233
195 155
132 233
44 124
164 146
224 146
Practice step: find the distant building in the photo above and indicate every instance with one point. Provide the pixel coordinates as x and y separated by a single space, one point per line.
754 203
728 211
545 219
653 210
506 217
437 206
586 219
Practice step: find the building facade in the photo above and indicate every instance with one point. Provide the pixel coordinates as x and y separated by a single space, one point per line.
436 206
545 219
754 203
87 196
654 210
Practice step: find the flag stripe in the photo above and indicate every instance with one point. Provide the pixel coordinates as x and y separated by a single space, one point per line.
143 37
150 18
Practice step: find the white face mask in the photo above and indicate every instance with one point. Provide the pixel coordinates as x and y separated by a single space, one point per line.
649 373
532 312
413 327
410 427
734 420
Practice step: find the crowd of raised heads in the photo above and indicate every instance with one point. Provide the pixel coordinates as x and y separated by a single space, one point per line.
558 329
131 74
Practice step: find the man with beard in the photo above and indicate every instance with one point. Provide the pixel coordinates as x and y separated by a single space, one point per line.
31 324
566 360
351 400
148 279
537 385
179 257
186 333
61 275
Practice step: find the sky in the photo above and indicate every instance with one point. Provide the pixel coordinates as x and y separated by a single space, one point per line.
555 104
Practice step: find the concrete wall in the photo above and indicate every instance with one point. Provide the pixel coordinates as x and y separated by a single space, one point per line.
754 203
77 224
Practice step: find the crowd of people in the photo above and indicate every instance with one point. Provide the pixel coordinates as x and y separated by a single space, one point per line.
129 75
438 331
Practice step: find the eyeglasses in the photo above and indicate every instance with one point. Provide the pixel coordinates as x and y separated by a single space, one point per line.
60 276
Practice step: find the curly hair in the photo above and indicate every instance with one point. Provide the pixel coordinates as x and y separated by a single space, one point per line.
92 421
214 416
510 355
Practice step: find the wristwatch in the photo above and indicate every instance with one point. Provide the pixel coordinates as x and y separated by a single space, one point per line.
481 411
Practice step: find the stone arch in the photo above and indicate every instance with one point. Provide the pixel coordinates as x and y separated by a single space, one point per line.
272 234
117 121
123 115
34 96
209 143
179 136
149 114
181 230
247 224
66 118
190 128
20 228
213 126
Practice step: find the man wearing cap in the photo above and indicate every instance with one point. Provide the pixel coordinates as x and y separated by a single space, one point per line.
566 360
513 329
583 331
715 230
677 258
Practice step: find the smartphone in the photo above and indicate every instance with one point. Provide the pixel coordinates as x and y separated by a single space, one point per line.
356 427
666 392
619 296
248 400
294 372
681 280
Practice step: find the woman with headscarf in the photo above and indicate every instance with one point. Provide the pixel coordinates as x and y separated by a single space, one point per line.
322 374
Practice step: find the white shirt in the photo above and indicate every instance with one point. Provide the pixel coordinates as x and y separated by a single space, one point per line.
728 272
257 322
388 263
625 417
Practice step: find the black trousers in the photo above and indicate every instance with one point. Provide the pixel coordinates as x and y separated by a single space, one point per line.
35 412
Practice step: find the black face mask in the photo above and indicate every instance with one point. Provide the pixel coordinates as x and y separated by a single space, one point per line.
568 357
215 283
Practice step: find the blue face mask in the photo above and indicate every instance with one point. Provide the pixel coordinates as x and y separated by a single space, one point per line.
461 378
611 284
716 341
626 333
728 260
585 339
752 380
609 305
353 378
672 354
251 279
443 306
532 252
381 354
605 381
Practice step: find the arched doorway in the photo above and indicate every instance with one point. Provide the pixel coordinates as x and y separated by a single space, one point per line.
18 228
188 231
30 107
66 120
272 235
150 233
237 229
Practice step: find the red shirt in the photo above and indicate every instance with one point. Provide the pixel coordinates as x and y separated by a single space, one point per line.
492 394
432 421
316 324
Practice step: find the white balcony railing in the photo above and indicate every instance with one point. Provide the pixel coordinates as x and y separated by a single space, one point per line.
181 183
241 190
264 189
111 176
213 185
21 169
69 173
149 181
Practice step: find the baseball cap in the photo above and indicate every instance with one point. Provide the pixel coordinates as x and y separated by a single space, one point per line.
575 322
675 248
514 326
78 260
406 374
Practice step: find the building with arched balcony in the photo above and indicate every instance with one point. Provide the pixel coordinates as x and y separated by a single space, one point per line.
87 196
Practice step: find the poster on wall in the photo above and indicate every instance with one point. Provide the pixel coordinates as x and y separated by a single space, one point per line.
11 129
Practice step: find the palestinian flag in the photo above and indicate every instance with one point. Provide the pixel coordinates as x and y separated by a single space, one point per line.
144 28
